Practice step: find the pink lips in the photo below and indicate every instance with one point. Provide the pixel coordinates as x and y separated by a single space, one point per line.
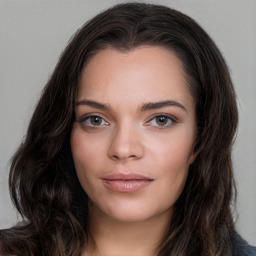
129 182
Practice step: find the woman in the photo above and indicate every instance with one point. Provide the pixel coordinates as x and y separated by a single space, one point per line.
129 149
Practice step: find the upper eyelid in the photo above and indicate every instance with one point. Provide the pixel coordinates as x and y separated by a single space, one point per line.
85 116
172 117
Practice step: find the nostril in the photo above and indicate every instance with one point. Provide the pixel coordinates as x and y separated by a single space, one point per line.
115 157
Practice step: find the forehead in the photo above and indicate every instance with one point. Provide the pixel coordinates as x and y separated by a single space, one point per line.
148 73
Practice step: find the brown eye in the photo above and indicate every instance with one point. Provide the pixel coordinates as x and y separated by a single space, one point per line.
95 120
162 120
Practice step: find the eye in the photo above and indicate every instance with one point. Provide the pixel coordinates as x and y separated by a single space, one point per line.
162 121
93 121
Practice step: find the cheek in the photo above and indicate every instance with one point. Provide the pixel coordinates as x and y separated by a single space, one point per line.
174 165
85 149
84 156
174 151
79 151
172 160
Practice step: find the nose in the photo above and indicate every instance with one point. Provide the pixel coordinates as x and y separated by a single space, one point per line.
125 144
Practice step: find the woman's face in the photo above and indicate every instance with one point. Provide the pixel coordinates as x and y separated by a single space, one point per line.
132 141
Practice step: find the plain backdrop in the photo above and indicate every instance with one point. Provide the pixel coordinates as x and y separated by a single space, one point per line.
34 33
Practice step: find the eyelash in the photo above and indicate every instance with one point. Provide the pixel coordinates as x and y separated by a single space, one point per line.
171 120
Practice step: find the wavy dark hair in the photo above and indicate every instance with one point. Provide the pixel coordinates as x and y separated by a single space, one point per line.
43 181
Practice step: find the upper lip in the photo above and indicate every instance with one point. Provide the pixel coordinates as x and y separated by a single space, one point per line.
125 176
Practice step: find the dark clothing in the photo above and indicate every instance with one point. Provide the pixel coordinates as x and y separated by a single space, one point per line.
241 247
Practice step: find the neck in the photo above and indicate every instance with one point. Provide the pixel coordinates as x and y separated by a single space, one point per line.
111 237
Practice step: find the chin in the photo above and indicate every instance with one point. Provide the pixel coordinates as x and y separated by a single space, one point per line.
126 211
130 217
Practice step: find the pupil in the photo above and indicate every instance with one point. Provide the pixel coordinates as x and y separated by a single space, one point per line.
161 120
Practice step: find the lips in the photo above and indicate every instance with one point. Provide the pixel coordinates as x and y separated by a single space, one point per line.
126 182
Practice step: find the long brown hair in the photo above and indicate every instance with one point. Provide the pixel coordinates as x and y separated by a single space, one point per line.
43 182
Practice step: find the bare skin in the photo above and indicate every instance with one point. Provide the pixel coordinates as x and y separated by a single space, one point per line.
120 238
132 144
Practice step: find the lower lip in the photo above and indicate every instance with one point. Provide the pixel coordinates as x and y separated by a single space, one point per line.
126 186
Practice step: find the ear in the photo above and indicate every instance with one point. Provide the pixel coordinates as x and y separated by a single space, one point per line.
192 157
193 153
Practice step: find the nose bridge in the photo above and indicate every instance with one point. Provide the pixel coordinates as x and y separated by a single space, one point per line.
125 142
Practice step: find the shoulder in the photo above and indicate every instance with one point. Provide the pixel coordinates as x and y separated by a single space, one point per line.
1 245
241 247
10 233
2 251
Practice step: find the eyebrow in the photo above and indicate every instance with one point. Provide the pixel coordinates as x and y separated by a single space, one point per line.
144 107
161 104
92 103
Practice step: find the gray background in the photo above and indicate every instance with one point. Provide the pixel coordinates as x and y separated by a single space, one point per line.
33 34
